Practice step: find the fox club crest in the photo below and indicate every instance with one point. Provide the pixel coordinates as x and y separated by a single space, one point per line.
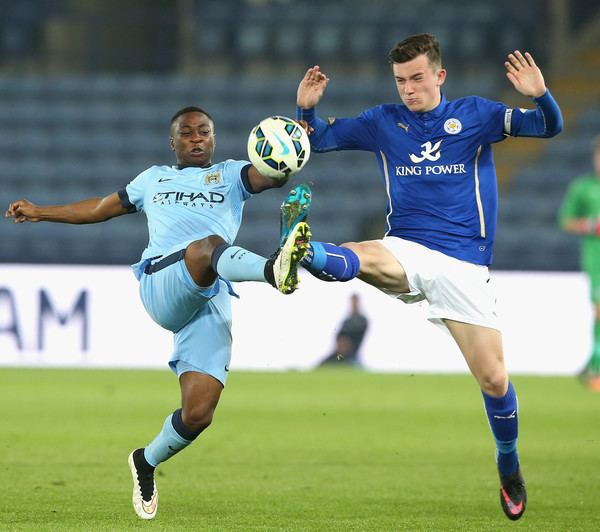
452 126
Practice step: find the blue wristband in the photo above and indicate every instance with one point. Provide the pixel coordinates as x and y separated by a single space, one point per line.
308 115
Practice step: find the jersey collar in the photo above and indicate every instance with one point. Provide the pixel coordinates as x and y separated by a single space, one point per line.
438 111
184 166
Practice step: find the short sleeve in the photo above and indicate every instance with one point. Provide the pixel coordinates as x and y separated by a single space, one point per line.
135 190
235 171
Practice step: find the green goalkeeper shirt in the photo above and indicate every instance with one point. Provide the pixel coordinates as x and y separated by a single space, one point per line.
582 200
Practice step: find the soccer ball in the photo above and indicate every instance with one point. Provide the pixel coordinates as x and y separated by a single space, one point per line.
278 147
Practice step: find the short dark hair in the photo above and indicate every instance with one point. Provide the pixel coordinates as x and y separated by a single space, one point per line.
416 45
190 109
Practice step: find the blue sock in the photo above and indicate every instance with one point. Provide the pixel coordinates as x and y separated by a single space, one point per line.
173 437
234 263
329 262
502 413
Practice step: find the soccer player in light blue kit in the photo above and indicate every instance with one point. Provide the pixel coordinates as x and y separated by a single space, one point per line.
435 159
194 211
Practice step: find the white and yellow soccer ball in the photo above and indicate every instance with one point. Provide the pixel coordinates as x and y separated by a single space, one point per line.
278 147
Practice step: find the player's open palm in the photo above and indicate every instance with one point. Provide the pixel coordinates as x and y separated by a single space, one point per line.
22 211
311 88
525 75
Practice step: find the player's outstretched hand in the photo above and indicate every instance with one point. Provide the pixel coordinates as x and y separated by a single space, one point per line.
22 211
311 88
525 75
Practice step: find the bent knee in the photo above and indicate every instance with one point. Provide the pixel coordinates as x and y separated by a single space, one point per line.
197 418
494 383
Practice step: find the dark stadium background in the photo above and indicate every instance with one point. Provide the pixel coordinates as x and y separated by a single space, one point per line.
87 89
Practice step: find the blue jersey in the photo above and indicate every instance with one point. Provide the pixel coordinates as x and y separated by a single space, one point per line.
437 168
183 205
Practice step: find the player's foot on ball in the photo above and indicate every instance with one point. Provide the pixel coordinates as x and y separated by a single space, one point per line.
293 210
513 495
145 494
281 269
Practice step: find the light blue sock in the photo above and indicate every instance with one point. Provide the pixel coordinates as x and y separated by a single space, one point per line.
234 263
166 444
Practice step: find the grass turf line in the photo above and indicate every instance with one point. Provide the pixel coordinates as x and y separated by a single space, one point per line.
330 450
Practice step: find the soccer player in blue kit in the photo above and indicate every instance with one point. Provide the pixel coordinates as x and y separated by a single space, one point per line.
194 211
435 159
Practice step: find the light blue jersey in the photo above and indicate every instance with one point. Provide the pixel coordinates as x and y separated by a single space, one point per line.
183 205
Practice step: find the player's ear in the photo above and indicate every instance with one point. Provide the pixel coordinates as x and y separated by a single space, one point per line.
441 76
172 143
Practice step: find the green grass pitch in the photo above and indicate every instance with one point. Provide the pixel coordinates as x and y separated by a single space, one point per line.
319 451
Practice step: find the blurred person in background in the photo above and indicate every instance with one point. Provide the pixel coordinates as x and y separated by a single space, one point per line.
349 337
194 211
435 159
580 215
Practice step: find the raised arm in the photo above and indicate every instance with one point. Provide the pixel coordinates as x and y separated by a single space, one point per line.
546 120
525 75
87 211
311 88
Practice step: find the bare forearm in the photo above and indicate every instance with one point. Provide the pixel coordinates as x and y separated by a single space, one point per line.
80 212
88 211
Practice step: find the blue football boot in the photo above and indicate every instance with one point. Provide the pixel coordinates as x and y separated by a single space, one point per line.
293 210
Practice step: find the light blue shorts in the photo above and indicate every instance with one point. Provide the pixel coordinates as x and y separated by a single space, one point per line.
199 317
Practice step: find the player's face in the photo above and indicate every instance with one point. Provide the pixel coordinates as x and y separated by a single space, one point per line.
193 139
418 83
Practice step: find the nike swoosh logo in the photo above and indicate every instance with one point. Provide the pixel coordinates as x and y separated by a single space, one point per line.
513 508
284 149
512 415
165 179
234 253
150 507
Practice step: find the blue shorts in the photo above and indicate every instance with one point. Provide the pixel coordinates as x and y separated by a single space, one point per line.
199 317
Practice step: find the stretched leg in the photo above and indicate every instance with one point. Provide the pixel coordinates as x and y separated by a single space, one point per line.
482 349
329 262
210 257
200 394
369 261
